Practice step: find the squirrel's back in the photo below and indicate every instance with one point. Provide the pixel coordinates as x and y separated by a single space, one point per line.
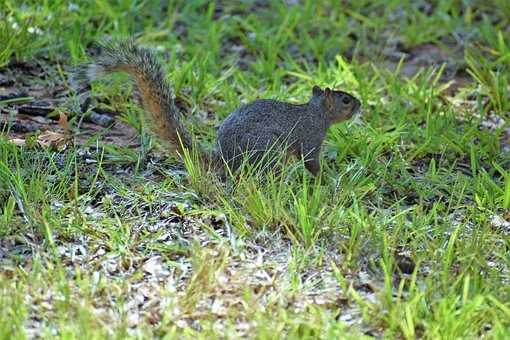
264 125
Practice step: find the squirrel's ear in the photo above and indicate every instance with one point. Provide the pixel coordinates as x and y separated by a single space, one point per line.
316 91
329 99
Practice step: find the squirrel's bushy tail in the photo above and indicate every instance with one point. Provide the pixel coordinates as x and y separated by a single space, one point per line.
156 94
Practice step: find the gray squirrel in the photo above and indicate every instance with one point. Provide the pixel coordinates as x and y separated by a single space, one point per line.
256 129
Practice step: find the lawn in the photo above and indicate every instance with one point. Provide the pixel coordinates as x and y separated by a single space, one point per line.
405 234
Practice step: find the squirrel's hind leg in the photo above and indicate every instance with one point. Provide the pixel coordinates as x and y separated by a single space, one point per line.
312 163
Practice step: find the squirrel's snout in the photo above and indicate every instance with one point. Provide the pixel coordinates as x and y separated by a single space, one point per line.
356 108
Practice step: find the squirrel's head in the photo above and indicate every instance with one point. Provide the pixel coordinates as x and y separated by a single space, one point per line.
339 105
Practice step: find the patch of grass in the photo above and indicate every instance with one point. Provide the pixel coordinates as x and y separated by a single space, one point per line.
405 233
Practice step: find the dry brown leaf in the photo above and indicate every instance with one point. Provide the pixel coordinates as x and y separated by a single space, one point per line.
64 124
18 141
52 140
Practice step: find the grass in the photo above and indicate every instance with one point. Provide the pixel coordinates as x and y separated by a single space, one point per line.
399 238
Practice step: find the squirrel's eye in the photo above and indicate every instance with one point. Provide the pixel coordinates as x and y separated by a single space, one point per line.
346 100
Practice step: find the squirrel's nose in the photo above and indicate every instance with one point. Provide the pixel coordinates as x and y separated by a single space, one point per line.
357 106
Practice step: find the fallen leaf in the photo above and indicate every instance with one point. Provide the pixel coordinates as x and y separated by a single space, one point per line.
18 141
52 140
64 124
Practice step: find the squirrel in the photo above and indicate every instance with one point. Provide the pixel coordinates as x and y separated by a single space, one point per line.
259 128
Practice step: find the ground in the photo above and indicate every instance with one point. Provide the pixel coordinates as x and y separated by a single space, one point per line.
406 234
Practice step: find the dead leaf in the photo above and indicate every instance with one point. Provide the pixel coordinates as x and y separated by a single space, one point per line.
52 140
64 124
18 141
